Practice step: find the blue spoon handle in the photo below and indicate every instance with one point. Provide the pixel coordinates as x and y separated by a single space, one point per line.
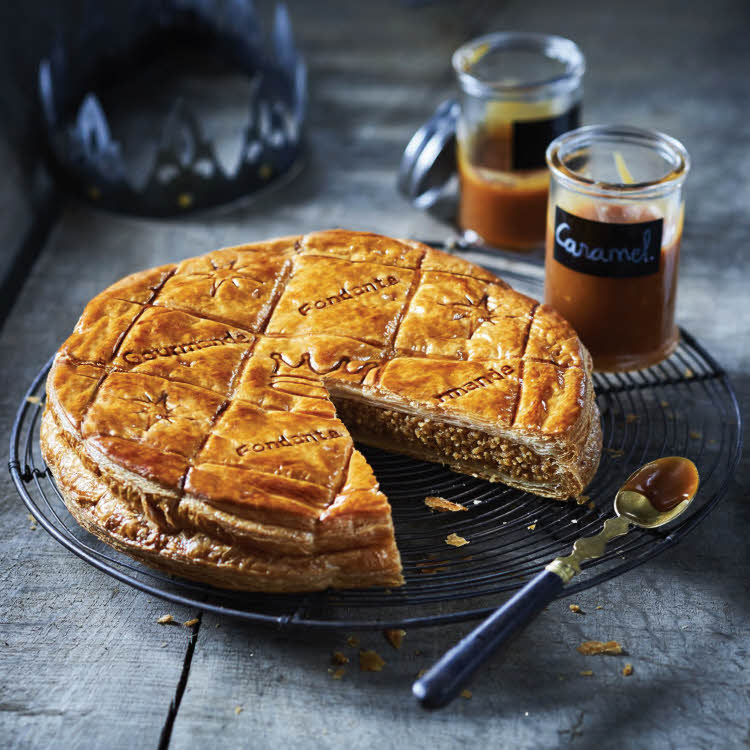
443 682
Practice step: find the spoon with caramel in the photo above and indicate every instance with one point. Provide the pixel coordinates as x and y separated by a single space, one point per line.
657 492
652 496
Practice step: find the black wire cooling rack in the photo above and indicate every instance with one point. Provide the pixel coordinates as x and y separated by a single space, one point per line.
684 406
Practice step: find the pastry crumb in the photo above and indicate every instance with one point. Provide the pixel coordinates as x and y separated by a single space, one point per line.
586 673
599 606
338 658
455 540
337 673
443 505
689 373
466 694
190 623
426 570
238 710
581 499
576 608
163 645
34 399
421 673
591 505
370 661
616 452
165 620
599 647
352 641
531 526
695 435
664 404
432 566
630 418
627 670
395 637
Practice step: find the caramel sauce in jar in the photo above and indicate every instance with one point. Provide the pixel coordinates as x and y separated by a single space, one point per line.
666 482
626 323
518 92
614 227
505 209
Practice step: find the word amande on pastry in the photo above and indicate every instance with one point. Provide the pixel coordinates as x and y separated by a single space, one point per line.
345 294
489 377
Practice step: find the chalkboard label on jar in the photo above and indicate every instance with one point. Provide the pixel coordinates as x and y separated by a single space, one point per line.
604 249
531 137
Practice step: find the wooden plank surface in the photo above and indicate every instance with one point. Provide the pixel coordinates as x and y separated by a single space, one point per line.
82 660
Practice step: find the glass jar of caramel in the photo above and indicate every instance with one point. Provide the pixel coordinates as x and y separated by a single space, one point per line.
614 225
519 91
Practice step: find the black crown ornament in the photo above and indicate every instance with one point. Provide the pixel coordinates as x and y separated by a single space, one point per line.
186 174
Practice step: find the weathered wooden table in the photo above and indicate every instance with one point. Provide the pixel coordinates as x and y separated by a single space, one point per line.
83 662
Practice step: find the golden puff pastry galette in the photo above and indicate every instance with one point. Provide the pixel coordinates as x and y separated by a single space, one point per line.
201 416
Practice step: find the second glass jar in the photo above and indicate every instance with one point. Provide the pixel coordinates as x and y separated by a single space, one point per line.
519 91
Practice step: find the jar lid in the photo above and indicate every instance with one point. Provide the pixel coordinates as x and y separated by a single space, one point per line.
428 164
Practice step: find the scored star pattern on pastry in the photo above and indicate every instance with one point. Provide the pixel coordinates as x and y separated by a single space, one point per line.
475 313
225 273
156 410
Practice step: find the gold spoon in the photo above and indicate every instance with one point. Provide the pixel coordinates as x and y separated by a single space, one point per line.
652 496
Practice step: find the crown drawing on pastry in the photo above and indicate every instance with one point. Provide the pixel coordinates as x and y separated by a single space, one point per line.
185 174
303 378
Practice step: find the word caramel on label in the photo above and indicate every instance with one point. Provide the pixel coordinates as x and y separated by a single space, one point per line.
346 294
173 350
483 381
607 249
282 441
